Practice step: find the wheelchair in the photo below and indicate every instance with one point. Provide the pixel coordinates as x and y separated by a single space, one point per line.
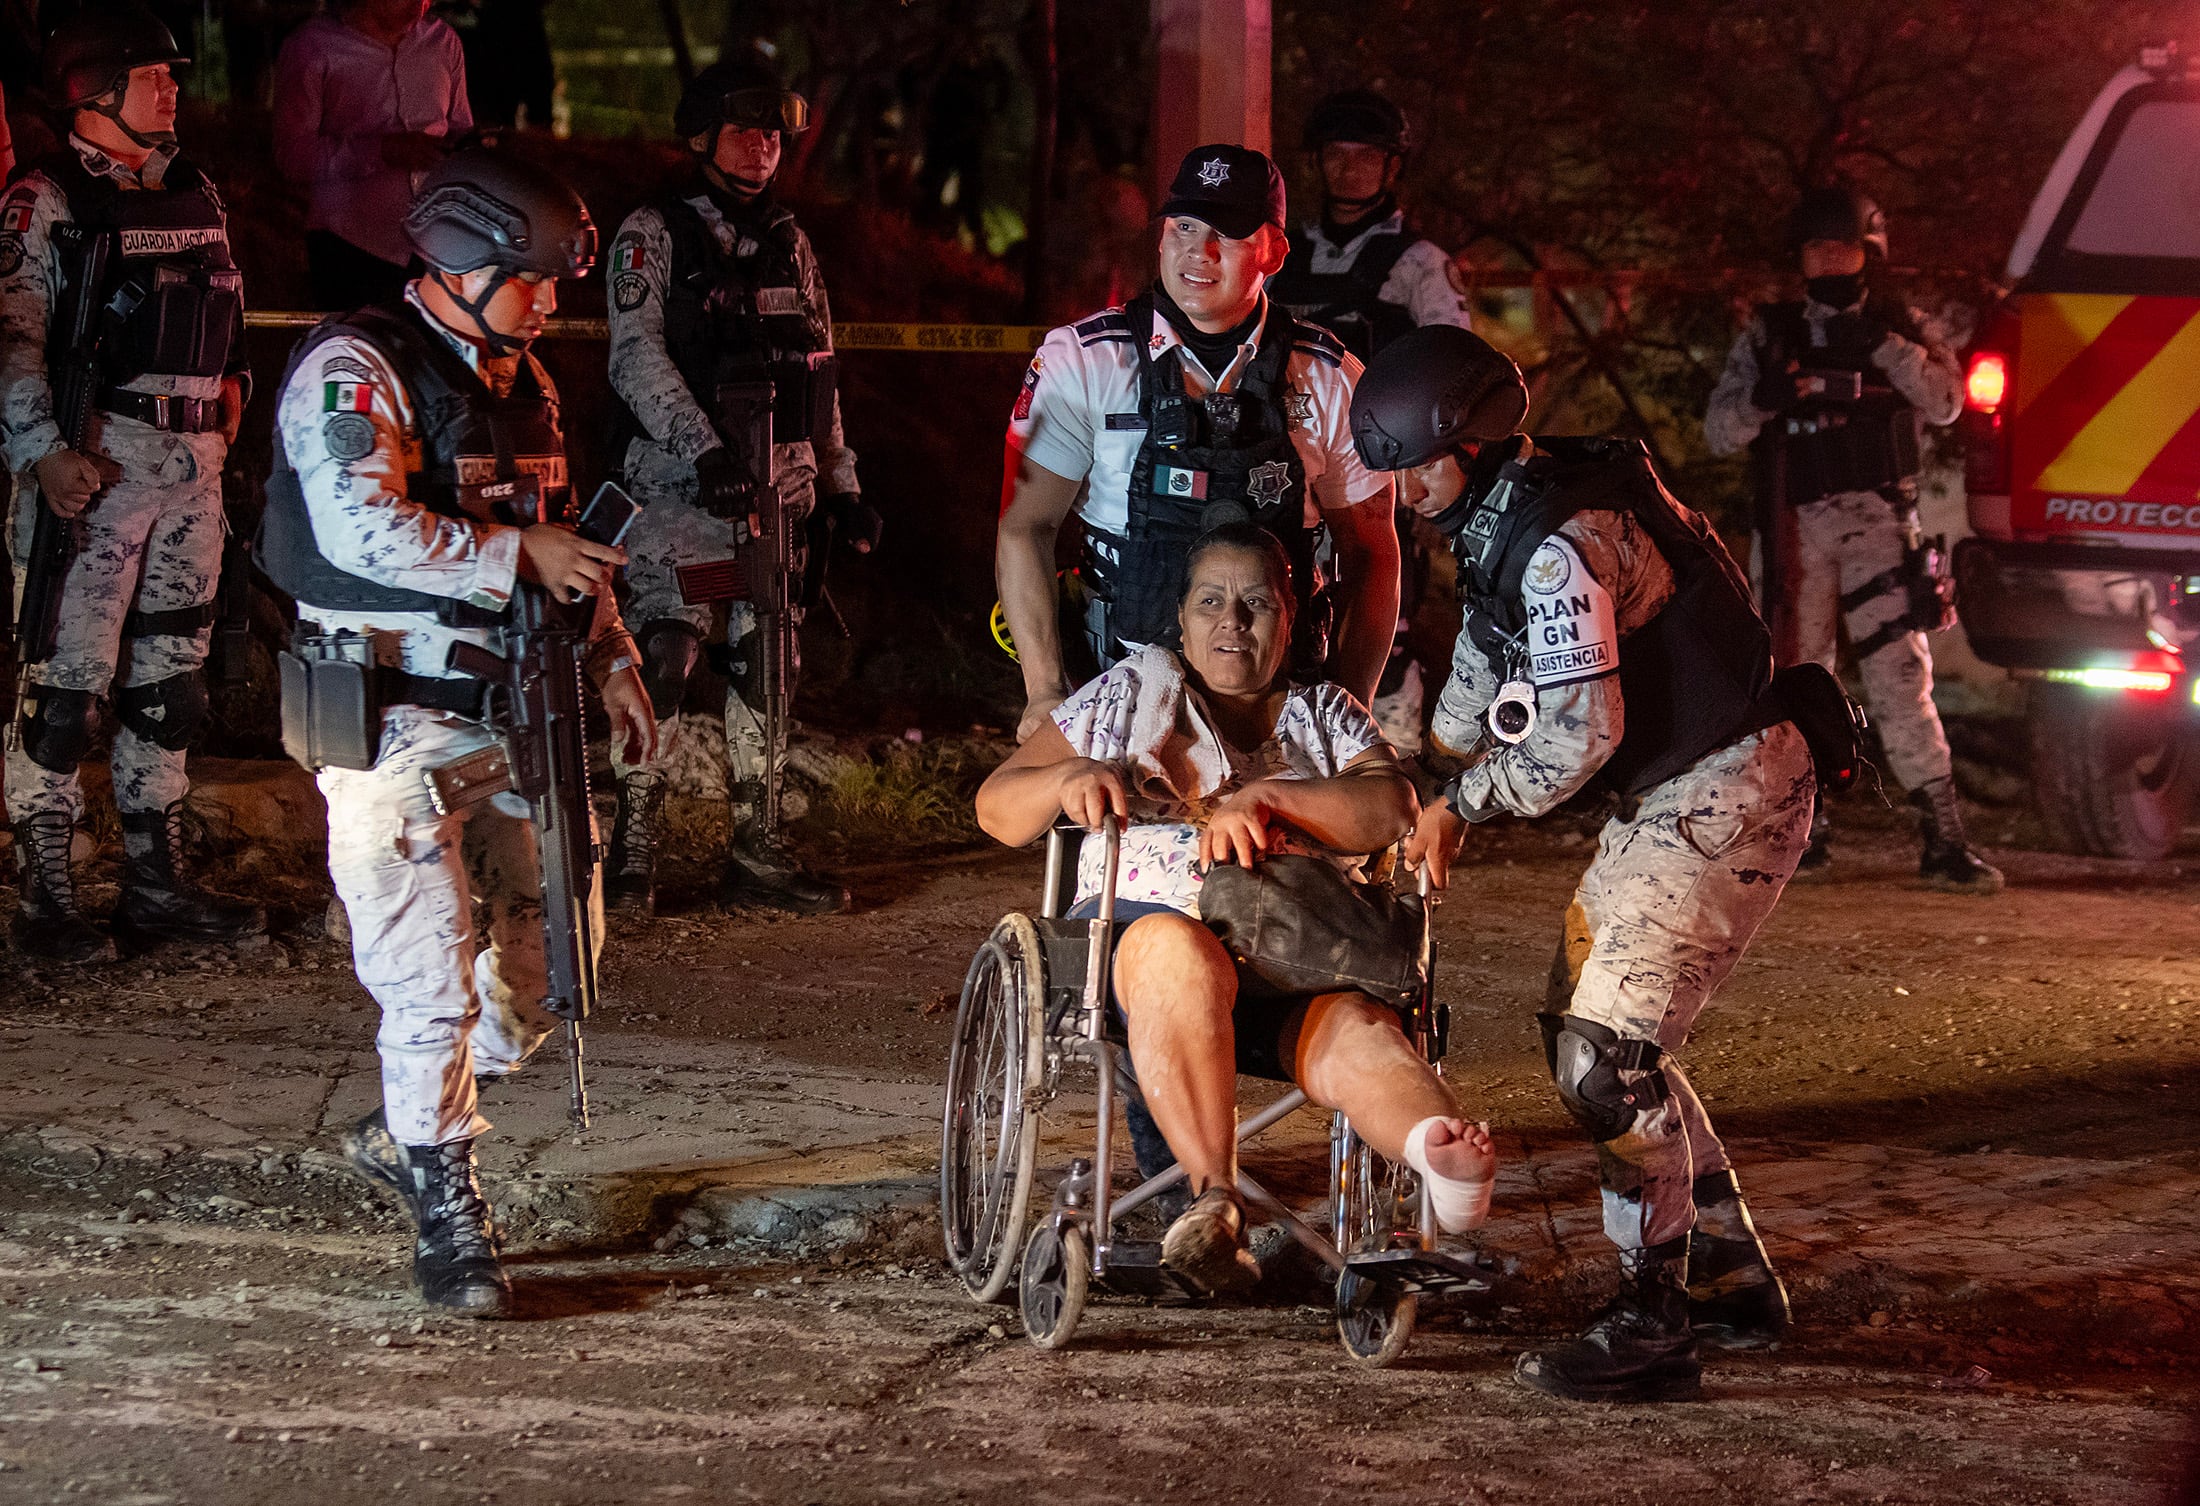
1034 1007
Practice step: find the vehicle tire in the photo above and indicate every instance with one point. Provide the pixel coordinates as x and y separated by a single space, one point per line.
2113 778
1376 1207
989 1130
1057 1274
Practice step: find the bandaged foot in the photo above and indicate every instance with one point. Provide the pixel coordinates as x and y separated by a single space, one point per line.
1459 1165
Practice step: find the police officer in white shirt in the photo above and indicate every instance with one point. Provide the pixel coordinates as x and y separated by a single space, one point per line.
1198 401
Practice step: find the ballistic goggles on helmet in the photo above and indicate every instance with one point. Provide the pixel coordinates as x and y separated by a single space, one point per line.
765 110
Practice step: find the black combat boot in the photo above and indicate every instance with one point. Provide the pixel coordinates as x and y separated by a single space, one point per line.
760 871
1735 1298
1948 861
455 1262
158 903
630 876
1638 1349
47 923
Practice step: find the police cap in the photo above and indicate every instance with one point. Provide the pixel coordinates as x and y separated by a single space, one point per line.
743 92
91 52
1837 213
1430 391
1358 115
487 208
1233 188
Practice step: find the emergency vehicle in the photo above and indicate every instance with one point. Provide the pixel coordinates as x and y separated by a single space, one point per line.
2083 467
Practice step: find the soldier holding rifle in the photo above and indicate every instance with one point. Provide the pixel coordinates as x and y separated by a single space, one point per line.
122 379
417 511
722 354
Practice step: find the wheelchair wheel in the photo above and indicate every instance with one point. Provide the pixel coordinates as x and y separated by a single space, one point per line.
1057 1272
988 1132
1378 1203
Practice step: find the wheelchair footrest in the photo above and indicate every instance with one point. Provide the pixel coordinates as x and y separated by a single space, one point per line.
1434 1272
1135 1269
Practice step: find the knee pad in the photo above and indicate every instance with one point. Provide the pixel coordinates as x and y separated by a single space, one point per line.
168 713
669 651
57 727
1587 1060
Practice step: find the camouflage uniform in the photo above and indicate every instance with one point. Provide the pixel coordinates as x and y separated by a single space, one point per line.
152 540
660 462
1679 884
408 877
1845 540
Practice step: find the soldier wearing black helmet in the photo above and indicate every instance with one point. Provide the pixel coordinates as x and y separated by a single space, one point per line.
720 336
1359 270
419 471
1609 643
1828 392
140 487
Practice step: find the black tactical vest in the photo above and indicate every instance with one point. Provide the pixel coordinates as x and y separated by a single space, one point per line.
1695 677
1348 303
1834 442
1203 461
484 457
737 320
169 262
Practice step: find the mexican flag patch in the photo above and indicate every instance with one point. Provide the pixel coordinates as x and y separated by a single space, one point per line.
628 256
347 397
15 218
1172 481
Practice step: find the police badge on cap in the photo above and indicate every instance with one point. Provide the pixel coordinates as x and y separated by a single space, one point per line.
1233 188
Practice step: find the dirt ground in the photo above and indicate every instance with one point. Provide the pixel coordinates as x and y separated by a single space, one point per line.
1968 1128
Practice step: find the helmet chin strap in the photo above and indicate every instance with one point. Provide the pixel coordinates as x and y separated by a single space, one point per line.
739 187
1354 206
110 106
497 345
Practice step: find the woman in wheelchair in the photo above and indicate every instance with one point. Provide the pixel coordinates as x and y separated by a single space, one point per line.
1217 758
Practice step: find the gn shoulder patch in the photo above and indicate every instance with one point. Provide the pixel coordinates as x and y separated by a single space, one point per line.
1572 626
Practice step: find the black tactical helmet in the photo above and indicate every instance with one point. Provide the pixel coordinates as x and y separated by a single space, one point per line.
1358 115
1430 391
90 54
742 92
486 208
1837 213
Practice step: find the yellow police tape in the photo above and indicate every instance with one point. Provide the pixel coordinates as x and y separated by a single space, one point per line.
970 339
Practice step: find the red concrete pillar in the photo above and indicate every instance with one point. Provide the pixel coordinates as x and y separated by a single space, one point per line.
1211 79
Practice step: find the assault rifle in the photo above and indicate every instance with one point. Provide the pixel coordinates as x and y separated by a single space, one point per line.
537 707
82 333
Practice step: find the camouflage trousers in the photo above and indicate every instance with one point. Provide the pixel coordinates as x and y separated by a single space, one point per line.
152 540
672 532
1834 546
1658 921
410 879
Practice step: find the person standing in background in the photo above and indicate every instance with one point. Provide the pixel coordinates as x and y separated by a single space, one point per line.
367 98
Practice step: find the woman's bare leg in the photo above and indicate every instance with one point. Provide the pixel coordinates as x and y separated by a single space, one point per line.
1177 986
1353 1056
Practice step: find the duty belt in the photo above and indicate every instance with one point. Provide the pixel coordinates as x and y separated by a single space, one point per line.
176 415
435 692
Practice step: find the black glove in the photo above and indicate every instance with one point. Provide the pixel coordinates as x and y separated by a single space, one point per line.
723 488
1775 389
856 522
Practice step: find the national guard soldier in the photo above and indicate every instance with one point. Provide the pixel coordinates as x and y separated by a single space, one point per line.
1610 642
415 438
720 336
1828 392
1361 272
1199 399
134 493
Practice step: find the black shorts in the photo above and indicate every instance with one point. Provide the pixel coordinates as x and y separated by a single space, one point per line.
1266 1022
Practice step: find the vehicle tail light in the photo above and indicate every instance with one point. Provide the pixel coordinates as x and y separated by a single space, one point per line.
1987 382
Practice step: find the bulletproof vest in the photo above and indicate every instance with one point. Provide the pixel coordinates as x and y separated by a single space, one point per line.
483 457
1203 461
1834 442
1349 303
1696 676
174 295
733 322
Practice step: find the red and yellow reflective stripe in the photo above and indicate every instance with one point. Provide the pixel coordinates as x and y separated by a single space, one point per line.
2108 397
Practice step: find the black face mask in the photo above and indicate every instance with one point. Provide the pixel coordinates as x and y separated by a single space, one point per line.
1836 292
